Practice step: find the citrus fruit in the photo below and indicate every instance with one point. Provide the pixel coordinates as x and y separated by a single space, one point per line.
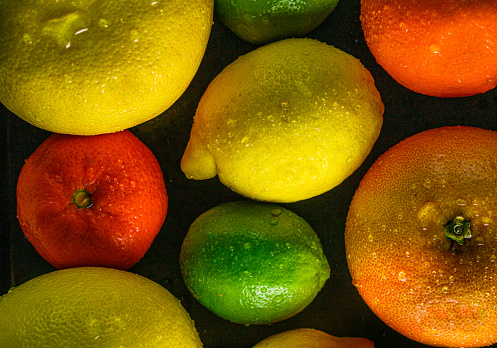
90 67
285 122
264 21
253 263
91 200
94 307
442 48
421 237
312 338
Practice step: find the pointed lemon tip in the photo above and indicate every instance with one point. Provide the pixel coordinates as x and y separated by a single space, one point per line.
198 163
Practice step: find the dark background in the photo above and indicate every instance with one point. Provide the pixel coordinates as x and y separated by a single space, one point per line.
338 309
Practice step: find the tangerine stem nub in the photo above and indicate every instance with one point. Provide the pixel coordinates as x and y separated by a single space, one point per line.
457 230
82 199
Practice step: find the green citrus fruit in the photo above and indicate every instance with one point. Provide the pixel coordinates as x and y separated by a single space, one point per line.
90 67
263 21
285 122
253 263
312 338
94 307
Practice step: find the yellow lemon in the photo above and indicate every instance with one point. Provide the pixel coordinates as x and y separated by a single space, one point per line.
285 122
311 338
94 307
253 263
90 67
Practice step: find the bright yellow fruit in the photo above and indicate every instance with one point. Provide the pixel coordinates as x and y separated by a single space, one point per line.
285 122
90 67
311 338
253 263
94 307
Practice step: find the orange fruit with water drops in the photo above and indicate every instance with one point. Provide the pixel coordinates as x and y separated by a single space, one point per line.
91 200
312 338
443 48
421 237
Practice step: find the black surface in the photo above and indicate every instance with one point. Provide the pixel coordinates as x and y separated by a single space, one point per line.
338 309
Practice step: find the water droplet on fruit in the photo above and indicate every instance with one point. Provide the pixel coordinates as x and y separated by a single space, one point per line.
435 48
247 245
103 23
276 212
278 299
451 279
134 35
27 38
402 276
370 237
445 289
479 240
460 201
263 290
273 222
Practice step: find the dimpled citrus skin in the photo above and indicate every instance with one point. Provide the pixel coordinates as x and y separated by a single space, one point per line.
443 48
399 258
126 187
252 262
285 122
312 338
94 307
263 21
90 67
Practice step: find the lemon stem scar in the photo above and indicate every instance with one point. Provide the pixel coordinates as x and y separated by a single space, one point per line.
457 230
82 199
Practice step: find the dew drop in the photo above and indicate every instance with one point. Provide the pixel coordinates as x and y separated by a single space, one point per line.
27 38
103 23
435 48
273 222
278 299
461 201
402 276
134 35
263 290
276 212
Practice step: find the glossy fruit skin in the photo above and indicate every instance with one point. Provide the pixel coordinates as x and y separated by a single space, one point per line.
442 48
253 263
312 338
86 67
285 122
95 307
128 194
264 21
416 280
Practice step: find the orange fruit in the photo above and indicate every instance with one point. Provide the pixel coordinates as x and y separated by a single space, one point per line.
442 48
91 201
421 237
312 338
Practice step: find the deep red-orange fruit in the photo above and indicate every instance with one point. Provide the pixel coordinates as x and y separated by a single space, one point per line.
92 200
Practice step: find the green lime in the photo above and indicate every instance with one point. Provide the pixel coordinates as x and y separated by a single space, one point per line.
263 21
252 262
